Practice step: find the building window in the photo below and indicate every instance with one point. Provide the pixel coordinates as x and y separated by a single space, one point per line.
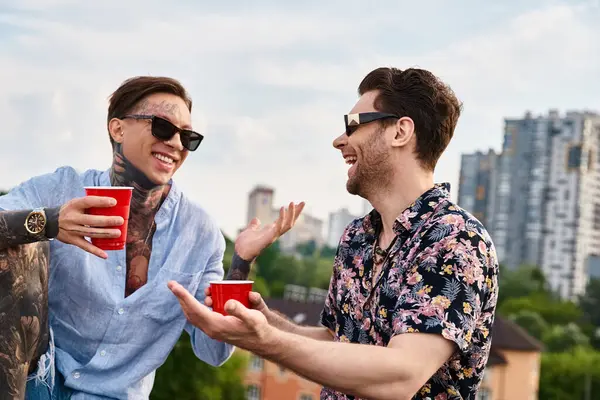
484 394
480 192
306 397
573 157
256 363
253 392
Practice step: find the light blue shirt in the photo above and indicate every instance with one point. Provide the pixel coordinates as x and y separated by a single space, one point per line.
108 345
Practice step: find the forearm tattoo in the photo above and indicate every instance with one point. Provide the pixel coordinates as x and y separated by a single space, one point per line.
239 269
24 332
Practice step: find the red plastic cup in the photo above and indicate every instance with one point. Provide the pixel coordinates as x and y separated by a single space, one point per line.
222 291
123 196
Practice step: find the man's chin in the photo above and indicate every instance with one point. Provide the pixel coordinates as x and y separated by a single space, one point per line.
352 186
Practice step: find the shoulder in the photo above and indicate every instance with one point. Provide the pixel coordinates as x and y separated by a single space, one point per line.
45 190
454 232
203 225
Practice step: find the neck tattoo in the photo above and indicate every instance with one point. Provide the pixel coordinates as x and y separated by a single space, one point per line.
146 199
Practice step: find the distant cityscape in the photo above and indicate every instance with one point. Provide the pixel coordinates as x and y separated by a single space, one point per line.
307 228
540 197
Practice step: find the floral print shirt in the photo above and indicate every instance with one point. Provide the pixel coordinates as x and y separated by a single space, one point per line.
440 277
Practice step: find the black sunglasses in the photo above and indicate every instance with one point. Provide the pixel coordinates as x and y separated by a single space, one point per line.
353 121
163 129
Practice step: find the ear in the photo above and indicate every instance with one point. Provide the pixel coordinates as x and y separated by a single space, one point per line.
115 128
405 131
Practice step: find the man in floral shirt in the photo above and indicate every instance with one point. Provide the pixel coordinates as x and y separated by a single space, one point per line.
413 293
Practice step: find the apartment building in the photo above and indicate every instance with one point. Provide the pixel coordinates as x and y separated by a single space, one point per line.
307 228
338 221
541 202
477 186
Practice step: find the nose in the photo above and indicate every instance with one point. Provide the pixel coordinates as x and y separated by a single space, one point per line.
175 142
340 141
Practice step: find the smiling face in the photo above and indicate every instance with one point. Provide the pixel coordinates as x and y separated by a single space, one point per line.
367 152
156 159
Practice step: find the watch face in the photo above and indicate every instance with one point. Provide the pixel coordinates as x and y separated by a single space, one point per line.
36 223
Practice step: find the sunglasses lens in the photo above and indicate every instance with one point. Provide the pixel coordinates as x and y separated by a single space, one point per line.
163 129
191 140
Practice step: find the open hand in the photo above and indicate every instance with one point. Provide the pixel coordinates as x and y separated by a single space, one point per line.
243 327
74 225
255 238
256 301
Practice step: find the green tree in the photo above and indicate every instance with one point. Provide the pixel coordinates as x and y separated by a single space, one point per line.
327 252
532 322
590 302
183 376
561 338
553 311
307 249
521 282
568 375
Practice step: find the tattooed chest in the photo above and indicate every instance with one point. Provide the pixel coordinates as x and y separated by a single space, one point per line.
138 259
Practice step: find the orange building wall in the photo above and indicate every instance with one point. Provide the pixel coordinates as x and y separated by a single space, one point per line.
516 380
278 384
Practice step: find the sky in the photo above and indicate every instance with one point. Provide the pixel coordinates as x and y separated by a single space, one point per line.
271 81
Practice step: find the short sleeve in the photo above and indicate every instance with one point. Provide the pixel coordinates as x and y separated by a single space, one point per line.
447 288
328 313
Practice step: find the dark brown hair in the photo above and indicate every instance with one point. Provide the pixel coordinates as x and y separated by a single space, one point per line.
134 90
419 95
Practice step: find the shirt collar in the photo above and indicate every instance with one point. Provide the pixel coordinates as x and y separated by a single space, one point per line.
413 214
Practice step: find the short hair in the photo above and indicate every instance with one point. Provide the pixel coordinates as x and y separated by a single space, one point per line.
134 90
420 95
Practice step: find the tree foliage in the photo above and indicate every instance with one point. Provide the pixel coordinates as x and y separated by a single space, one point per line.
183 376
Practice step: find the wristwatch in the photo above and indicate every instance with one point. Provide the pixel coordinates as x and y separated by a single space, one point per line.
43 221
35 222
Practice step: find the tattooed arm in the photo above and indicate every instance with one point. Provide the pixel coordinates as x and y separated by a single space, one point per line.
24 329
13 232
239 269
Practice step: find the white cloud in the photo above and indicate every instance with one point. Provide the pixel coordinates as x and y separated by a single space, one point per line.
270 84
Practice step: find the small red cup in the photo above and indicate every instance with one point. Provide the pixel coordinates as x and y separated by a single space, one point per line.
222 291
123 196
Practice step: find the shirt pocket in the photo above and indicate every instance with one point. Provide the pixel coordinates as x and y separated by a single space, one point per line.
161 305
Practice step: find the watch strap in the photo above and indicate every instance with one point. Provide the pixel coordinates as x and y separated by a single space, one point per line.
52 222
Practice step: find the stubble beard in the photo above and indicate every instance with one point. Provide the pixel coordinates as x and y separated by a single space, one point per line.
373 173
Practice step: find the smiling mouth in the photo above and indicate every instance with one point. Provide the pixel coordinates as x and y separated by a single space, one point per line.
350 160
163 158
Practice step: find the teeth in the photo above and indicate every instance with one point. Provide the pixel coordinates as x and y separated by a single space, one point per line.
162 158
350 159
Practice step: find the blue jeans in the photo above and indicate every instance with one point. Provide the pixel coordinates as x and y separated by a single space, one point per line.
47 383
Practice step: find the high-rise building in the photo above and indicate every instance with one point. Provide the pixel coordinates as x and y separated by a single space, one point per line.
521 179
260 204
337 223
571 223
306 229
477 186
542 202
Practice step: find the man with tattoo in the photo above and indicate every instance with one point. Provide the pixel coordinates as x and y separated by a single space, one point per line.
79 322
414 287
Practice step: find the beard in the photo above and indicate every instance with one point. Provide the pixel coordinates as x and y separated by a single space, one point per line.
373 172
